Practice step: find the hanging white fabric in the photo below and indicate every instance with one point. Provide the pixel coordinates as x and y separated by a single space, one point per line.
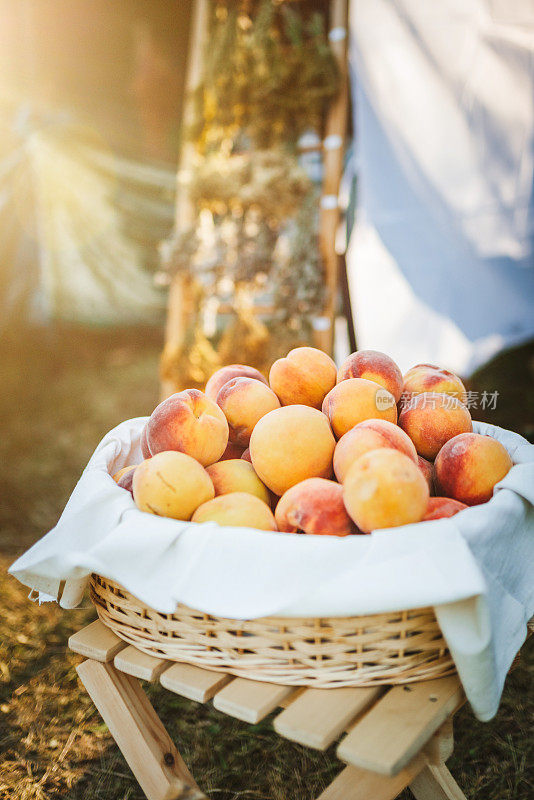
441 262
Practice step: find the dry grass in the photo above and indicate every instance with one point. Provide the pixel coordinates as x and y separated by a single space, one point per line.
53 744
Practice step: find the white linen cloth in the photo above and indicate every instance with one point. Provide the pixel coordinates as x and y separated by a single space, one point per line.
474 568
441 259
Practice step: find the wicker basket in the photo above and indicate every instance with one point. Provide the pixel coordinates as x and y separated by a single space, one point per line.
399 647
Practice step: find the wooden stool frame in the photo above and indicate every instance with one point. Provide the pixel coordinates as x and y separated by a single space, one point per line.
390 738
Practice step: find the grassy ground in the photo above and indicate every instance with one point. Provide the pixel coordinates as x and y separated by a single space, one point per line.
62 391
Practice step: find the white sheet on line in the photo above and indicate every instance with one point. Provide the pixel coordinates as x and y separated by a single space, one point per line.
441 260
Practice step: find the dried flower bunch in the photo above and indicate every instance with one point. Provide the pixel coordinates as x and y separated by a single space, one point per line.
268 75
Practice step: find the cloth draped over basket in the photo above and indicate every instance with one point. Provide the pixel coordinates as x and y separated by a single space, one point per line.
475 569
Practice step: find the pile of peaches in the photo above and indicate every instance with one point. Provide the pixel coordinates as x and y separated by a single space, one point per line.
316 450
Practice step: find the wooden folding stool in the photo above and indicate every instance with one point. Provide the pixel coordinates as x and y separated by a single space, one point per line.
390 738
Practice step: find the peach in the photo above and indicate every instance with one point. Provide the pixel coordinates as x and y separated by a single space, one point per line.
290 444
441 507
369 435
171 484
383 489
237 475
237 509
303 377
224 374
314 506
118 475
429 378
374 366
273 498
356 399
232 451
126 480
144 444
244 401
191 423
430 419
469 465
427 468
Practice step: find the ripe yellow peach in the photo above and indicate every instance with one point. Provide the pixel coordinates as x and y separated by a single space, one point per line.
430 419
190 423
246 455
244 401
369 435
290 444
441 507
238 509
171 484
224 374
118 475
469 465
356 399
427 468
303 377
384 489
314 506
374 366
429 378
126 480
237 475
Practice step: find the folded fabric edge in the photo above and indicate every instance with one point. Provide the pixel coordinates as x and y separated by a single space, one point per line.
39 586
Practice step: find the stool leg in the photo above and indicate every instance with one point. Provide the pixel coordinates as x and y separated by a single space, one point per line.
441 746
436 783
139 733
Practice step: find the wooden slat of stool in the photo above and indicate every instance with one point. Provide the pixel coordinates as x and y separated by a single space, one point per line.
359 784
435 782
400 724
139 733
318 716
96 641
134 662
193 682
250 701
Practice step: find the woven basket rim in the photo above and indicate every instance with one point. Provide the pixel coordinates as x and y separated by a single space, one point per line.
272 617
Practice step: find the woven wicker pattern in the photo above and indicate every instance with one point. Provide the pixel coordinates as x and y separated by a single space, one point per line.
399 647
